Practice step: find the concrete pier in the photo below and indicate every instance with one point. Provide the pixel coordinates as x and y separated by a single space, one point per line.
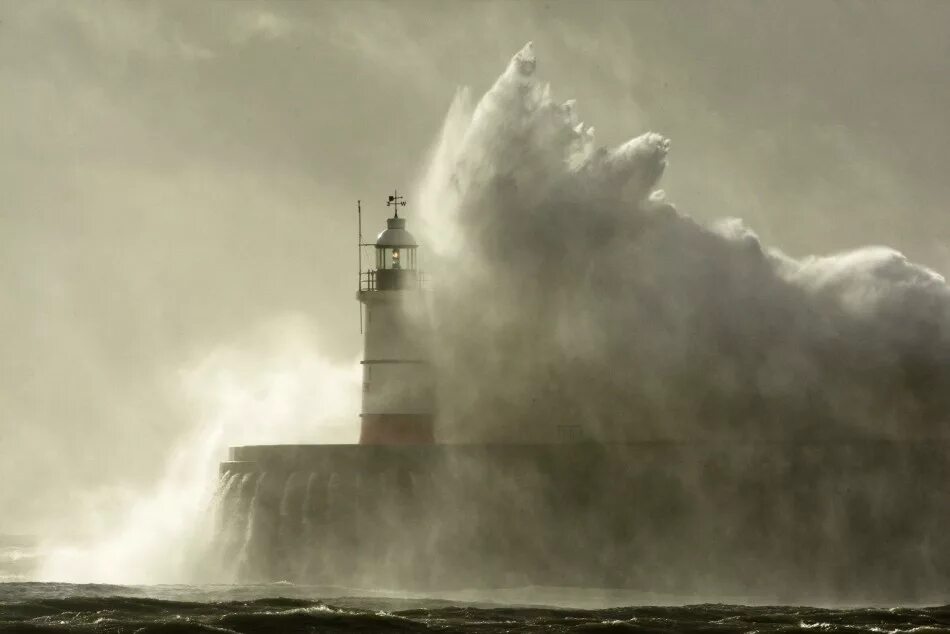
863 521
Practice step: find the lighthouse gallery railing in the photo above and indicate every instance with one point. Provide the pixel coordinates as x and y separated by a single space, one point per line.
368 281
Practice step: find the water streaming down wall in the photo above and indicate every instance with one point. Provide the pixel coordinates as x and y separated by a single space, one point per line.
784 522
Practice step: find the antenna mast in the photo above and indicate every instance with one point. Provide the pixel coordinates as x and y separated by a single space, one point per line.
359 252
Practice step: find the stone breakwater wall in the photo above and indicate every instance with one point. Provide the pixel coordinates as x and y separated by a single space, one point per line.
846 521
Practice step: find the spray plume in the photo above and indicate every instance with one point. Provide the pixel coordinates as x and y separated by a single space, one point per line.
573 297
275 387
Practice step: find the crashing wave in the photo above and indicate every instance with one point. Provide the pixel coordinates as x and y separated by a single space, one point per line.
572 293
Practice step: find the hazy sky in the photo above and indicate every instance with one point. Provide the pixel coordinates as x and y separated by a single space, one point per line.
175 176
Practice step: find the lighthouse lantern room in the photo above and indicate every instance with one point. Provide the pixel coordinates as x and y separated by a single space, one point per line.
397 387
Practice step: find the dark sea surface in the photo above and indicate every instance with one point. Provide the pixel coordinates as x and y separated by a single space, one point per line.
56 607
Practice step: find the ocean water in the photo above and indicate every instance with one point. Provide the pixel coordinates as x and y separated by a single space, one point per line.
56 607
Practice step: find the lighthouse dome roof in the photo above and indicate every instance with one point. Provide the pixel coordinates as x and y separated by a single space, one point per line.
395 234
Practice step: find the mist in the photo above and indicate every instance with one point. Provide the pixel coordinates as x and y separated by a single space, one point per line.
274 387
177 179
577 302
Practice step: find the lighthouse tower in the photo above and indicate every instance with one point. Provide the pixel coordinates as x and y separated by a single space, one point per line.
397 386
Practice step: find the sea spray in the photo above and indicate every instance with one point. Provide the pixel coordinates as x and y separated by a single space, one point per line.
230 537
221 499
205 546
273 386
574 302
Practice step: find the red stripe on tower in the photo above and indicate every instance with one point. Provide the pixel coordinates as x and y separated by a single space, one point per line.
396 429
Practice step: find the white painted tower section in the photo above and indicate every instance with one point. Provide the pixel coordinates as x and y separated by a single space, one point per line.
395 371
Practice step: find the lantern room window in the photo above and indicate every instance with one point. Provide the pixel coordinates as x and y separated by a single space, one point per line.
403 258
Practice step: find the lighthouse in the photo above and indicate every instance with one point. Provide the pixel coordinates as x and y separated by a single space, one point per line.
397 407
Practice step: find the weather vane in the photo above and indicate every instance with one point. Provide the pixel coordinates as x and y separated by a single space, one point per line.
395 200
